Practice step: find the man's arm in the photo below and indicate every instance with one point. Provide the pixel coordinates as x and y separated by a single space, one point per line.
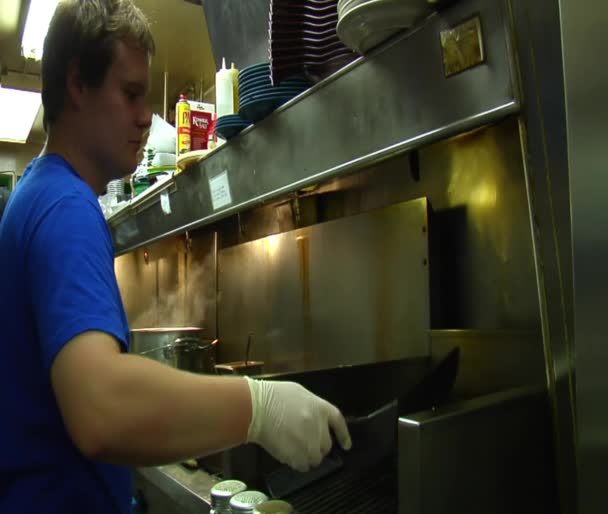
128 409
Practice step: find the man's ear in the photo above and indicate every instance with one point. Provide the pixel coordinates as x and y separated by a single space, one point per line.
74 86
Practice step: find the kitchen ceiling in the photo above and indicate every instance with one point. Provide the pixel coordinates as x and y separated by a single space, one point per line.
182 43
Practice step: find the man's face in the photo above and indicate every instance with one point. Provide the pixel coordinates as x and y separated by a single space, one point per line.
115 116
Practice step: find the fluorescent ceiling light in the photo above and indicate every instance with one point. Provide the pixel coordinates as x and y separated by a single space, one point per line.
36 26
9 16
18 112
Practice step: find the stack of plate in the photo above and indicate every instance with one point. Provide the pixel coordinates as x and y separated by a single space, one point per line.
303 39
258 97
230 125
363 24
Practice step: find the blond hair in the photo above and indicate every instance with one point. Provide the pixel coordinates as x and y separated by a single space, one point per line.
86 31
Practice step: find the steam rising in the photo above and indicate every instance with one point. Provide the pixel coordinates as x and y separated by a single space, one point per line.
181 303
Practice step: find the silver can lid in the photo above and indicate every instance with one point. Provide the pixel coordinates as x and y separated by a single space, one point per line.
246 501
223 491
228 488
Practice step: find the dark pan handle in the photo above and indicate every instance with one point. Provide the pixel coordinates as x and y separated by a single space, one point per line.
359 420
435 387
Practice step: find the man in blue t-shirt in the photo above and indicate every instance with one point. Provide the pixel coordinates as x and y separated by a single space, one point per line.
78 407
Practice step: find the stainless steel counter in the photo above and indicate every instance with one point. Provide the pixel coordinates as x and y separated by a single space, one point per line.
174 489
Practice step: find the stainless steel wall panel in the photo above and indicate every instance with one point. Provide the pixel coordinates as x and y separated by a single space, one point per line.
538 40
492 360
353 290
138 288
586 81
483 256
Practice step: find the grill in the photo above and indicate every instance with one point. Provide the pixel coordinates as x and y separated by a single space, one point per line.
352 492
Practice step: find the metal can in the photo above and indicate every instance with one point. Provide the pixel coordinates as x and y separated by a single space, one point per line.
182 124
222 493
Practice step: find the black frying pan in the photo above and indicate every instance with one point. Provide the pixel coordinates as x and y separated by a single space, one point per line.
374 434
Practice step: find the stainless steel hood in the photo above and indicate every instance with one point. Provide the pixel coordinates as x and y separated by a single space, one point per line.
385 104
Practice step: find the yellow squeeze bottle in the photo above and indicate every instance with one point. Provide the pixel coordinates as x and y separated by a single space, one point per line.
182 124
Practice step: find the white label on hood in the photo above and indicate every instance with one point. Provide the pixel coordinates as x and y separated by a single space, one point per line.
165 202
220 190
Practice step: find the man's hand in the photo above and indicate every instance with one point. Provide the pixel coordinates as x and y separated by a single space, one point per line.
293 424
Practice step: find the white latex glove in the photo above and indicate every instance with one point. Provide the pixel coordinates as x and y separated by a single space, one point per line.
293 424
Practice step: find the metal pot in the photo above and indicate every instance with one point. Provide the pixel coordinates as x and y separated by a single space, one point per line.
149 339
192 354
179 347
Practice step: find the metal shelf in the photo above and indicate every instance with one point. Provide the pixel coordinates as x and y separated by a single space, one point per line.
395 100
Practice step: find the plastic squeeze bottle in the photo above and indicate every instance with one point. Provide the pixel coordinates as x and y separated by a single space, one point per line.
224 91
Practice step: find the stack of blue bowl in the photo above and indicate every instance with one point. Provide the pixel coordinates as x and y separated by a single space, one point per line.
230 125
259 97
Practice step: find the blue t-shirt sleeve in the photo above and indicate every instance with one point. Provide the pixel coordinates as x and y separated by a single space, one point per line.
70 263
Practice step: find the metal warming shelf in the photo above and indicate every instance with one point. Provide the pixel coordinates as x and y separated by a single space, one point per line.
387 103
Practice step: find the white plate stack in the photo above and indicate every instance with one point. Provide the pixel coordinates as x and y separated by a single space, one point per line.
364 24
